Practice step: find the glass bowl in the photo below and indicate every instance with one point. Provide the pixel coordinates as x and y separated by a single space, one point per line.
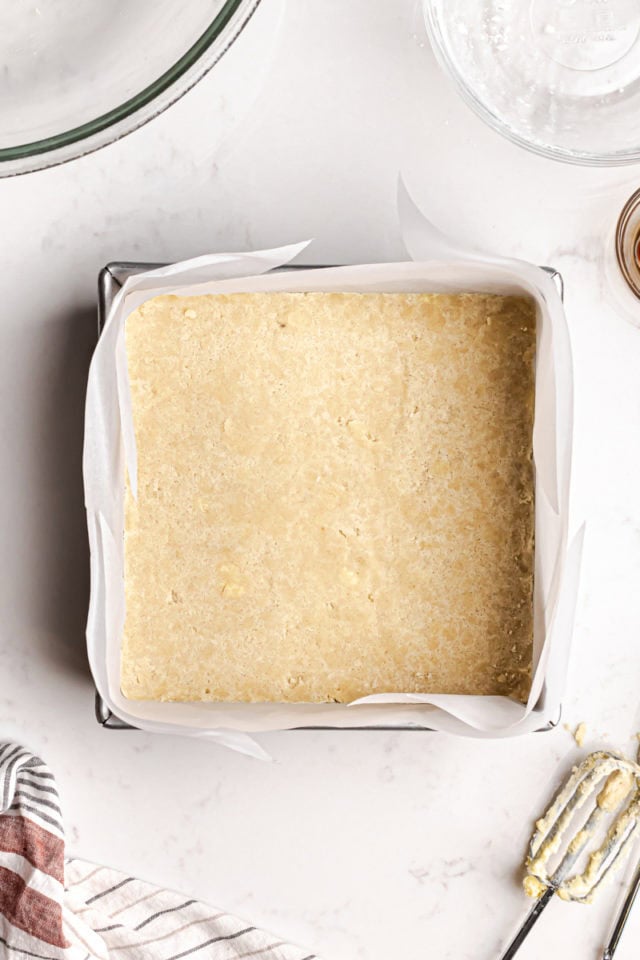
559 77
627 242
78 74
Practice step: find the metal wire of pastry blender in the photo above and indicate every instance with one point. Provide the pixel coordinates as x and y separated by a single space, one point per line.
611 785
623 916
110 280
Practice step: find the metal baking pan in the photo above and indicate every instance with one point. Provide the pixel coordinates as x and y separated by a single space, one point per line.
110 279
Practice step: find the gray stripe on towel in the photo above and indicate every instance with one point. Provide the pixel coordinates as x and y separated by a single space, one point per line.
160 913
27 953
40 801
42 816
104 893
207 943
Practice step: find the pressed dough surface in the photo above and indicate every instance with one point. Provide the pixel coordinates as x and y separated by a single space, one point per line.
335 496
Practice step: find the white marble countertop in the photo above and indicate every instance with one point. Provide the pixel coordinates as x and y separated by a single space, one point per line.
358 845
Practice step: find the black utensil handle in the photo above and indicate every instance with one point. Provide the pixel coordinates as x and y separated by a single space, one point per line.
623 916
522 933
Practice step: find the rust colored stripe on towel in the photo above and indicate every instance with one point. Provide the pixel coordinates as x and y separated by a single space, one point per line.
30 911
43 851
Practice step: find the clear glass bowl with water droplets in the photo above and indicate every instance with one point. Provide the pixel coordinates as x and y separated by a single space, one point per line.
559 77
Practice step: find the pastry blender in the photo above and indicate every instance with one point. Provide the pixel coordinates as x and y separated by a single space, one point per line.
583 837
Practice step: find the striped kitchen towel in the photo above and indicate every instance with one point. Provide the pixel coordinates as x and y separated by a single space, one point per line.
57 909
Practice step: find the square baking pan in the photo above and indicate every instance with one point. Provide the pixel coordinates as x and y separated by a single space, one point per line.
110 280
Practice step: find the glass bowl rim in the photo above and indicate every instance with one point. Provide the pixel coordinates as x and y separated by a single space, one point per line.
630 207
137 109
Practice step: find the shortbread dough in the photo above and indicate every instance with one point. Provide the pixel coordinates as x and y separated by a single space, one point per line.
335 496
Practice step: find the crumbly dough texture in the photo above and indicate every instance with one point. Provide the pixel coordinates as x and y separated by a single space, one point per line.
335 497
